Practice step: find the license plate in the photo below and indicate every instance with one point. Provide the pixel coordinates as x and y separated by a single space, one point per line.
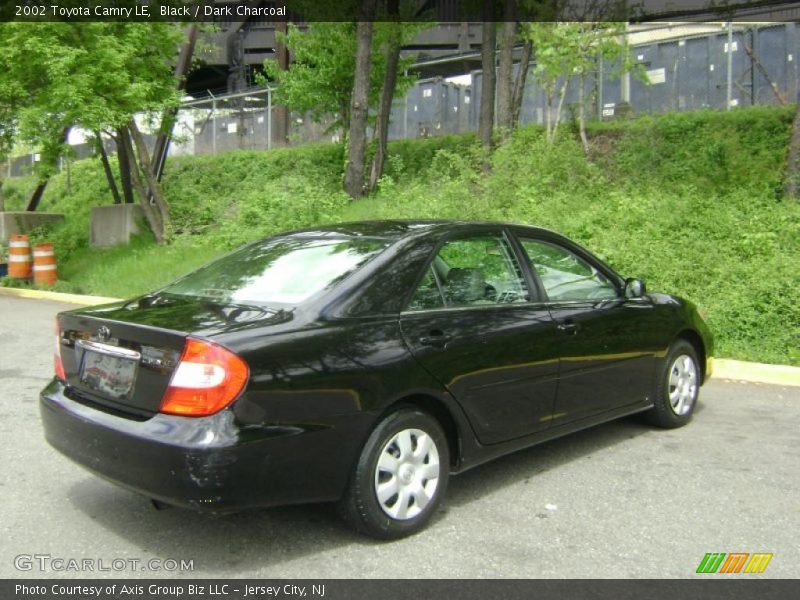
108 375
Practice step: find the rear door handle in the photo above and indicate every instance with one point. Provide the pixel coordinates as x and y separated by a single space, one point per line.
568 327
436 338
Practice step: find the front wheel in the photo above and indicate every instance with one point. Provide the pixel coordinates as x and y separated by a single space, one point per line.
400 477
677 388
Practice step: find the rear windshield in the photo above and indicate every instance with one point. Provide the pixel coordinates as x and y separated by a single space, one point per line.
282 271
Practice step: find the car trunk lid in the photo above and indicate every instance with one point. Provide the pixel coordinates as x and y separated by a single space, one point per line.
122 356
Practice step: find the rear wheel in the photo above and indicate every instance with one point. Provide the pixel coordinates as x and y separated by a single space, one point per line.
677 387
400 478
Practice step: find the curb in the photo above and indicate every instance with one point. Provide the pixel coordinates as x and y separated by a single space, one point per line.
723 368
738 370
57 296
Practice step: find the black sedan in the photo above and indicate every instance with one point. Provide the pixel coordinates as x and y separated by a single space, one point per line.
364 363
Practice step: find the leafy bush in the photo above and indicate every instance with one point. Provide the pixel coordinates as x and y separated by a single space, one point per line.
714 152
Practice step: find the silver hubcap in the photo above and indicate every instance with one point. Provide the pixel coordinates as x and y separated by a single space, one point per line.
682 384
407 474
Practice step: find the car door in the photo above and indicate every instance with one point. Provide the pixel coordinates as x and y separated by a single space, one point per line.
607 356
473 323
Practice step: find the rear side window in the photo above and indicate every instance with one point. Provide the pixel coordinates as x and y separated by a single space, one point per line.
475 271
283 271
428 295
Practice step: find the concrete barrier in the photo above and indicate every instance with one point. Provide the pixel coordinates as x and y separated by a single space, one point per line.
115 224
12 223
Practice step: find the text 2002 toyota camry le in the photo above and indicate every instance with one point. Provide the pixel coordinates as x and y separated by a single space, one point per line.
364 363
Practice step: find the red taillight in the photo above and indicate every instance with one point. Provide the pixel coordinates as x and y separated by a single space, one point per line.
59 365
207 379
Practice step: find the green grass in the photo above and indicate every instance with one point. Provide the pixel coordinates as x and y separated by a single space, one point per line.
690 202
127 271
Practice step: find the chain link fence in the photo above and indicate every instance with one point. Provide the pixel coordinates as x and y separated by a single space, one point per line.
741 65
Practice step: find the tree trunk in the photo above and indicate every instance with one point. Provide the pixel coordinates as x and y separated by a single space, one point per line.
557 121
519 83
508 33
486 117
168 116
152 181
112 184
280 114
36 197
392 54
124 164
552 120
582 113
344 110
790 182
2 200
359 104
149 210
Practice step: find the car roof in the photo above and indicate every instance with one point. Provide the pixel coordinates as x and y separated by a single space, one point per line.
397 229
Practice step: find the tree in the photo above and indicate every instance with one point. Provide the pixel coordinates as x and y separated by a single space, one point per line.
319 81
510 89
572 50
792 175
391 35
598 42
488 48
322 79
280 114
100 149
522 76
359 104
505 89
96 76
554 67
392 57
6 137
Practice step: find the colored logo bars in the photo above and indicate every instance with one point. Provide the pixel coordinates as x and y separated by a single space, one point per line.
734 562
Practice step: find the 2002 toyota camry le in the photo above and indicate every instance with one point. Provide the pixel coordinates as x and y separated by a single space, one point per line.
364 363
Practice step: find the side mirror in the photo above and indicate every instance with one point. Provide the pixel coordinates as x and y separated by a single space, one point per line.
634 288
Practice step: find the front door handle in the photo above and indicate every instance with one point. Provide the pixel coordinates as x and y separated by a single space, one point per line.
436 338
569 327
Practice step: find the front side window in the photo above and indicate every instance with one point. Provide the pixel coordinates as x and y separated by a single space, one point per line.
565 276
285 271
473 271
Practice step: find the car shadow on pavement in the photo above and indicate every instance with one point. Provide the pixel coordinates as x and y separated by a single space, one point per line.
240 544
525 465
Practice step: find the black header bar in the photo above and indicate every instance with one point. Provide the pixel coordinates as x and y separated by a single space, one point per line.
269 11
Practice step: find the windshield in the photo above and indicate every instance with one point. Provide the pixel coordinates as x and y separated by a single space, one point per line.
283 271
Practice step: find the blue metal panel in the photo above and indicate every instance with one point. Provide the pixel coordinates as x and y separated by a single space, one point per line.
640 92
770 49
695 84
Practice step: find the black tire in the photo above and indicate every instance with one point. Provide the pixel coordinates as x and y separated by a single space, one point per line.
677 411
360 505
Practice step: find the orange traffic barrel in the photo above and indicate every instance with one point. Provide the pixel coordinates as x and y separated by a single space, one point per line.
44 264
19 257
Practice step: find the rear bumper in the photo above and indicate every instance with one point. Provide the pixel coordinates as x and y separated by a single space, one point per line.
209 464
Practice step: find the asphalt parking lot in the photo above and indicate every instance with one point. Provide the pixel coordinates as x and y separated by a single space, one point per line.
620 500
